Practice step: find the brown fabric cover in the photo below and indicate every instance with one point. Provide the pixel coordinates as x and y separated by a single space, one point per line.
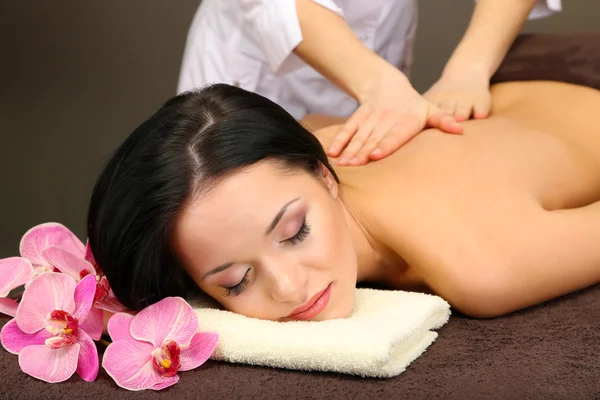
572 58
551 351
548 352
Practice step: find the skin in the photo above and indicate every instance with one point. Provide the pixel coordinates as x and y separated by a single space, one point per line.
283 273
500 218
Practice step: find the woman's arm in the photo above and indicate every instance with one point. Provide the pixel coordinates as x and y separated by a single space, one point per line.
553 253
463 89
563 257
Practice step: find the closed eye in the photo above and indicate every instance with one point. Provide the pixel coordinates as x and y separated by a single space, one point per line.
300 235
239 288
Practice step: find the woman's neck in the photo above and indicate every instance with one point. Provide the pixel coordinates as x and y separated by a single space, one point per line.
376 263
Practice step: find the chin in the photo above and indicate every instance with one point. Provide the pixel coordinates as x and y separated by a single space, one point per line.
340 306
339 312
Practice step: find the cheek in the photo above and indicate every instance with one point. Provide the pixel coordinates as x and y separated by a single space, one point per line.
250 303
331 243
338 261
254 303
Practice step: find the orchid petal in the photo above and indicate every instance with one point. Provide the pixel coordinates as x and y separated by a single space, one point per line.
45 293
68 262
87 360
88 255
93 325
38 238
130 365
8 306
49 365
201 348
165 382
14 272
119 326
108 301
111 304
84 297
14 339
40 269
169 319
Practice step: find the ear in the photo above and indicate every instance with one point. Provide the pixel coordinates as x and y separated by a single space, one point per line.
328 180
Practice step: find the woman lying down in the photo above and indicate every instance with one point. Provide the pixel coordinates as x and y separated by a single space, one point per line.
223 191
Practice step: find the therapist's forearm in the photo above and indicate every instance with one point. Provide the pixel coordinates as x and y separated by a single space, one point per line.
494 26
330 47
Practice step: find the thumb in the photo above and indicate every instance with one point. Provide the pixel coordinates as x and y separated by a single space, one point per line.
436 118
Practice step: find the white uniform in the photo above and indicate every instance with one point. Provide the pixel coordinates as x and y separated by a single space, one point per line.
250 43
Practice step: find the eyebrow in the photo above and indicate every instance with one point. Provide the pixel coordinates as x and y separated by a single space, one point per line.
270 228
217 270
280 215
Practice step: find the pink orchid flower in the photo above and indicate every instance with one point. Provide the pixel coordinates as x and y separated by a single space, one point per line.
78 268
48 332
150 348
42 236
53 247
14 272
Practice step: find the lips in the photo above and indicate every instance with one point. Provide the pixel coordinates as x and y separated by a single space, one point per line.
313 307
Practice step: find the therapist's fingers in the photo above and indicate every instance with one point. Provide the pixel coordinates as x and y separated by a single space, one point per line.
359 139
482 108
391 142
440 120
397 137
384 127
463 110
349 129
447 106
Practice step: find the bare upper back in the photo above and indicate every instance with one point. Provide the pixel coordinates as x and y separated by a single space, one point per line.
542 141
450 196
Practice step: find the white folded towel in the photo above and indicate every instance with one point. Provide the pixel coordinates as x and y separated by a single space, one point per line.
386 331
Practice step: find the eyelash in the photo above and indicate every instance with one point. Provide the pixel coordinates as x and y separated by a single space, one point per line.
239 288
301 235
294 240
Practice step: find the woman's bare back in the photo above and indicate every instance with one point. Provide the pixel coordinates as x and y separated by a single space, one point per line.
478 211
543 139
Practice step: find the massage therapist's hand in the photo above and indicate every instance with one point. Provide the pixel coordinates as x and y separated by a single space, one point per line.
463 95
388 117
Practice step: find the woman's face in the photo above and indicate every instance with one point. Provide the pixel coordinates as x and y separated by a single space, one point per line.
271 244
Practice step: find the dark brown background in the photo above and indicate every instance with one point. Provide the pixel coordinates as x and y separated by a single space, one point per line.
77 76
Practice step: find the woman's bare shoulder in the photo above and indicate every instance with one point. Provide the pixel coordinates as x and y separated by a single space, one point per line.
324 127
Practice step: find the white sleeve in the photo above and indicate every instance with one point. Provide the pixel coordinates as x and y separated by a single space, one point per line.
275 25
544 8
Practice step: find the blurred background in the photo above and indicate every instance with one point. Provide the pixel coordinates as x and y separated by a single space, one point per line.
76 77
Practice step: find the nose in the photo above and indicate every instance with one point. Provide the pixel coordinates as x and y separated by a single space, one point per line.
287 280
